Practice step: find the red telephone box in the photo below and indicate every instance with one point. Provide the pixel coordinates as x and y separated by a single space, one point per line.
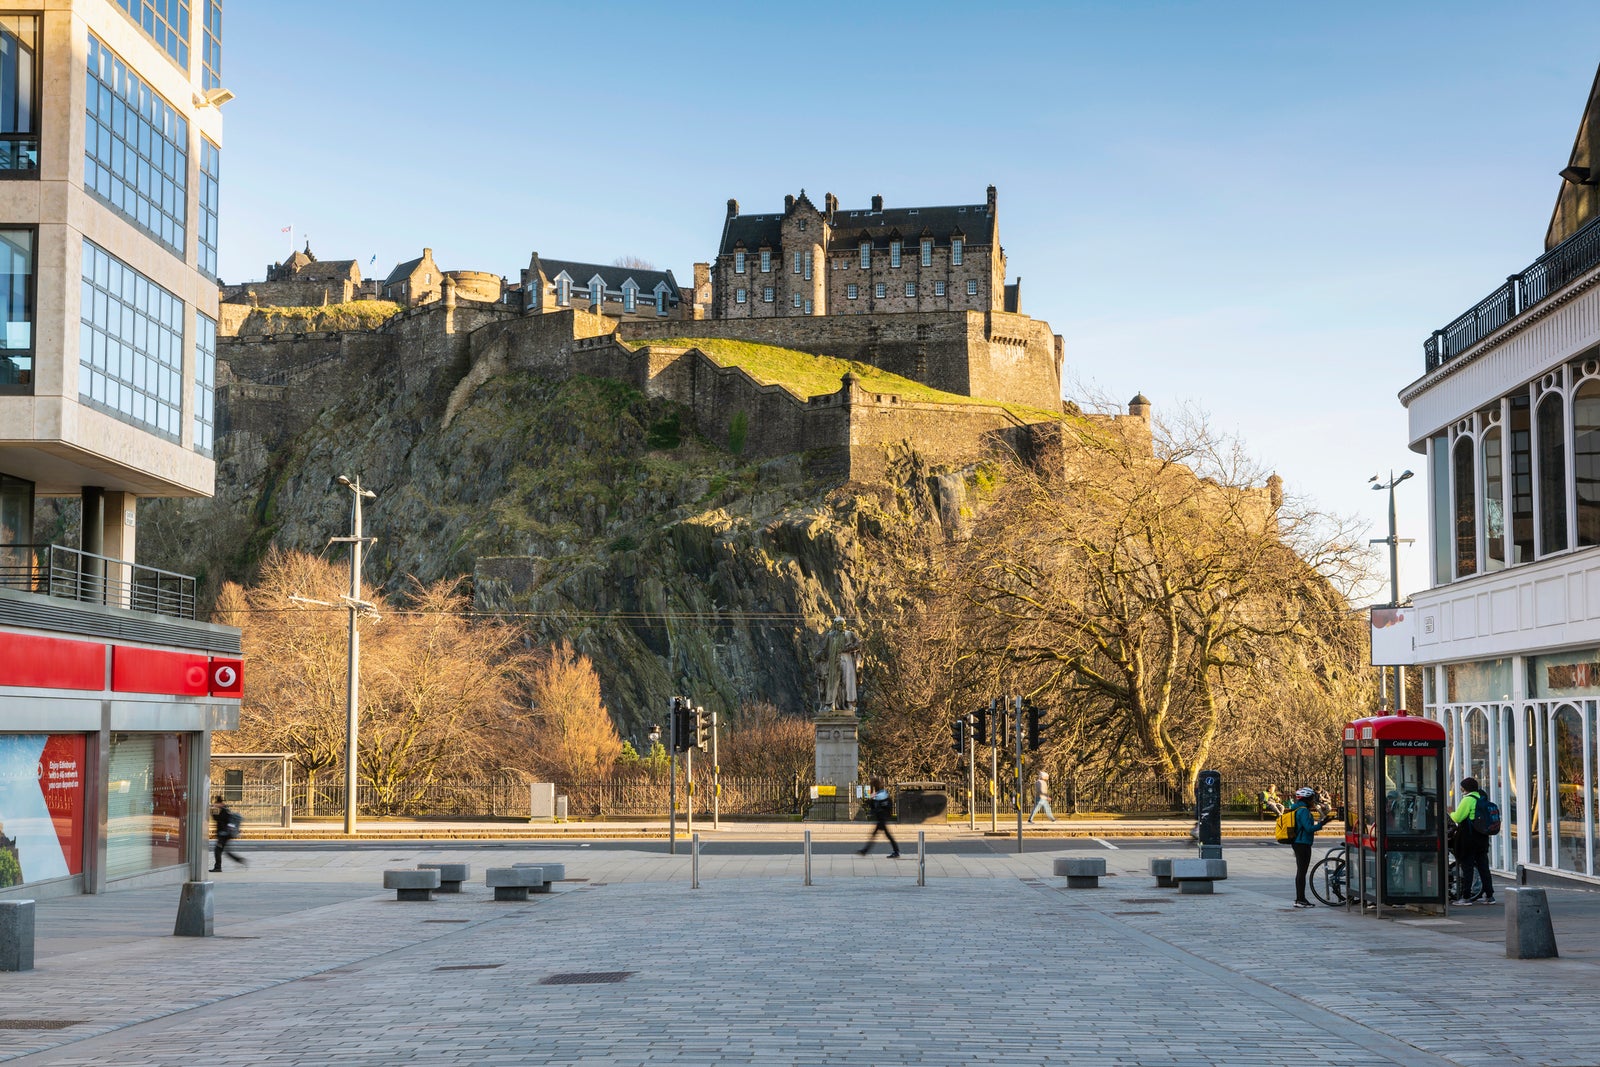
1395 817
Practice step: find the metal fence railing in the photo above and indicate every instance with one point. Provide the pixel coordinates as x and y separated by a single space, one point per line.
72 574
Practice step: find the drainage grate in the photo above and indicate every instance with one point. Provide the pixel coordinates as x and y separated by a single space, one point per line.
1144 900
38 1024
446 920
585 977
1404 951
470 967
1136 913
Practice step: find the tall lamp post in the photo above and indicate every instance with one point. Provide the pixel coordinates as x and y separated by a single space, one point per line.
353 664
1394 568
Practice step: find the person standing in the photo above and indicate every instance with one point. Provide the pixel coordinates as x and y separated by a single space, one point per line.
226 824
1306 826
1041 786
1472 847
880 811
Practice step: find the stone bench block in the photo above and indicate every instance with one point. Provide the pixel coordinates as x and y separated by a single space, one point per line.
196 910
1161 870
553 872
1529 935
1081 872
514 883
451 875
412 885
16 935
1196 876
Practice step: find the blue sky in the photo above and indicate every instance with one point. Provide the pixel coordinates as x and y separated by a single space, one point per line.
1261 209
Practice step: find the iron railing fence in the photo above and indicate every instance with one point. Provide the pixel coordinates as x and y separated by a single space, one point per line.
1549 274
72 574
644 796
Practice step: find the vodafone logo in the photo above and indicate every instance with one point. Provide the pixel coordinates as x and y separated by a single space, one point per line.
195 677
224 677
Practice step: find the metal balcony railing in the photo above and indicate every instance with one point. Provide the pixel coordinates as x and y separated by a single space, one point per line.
71 574
1521 293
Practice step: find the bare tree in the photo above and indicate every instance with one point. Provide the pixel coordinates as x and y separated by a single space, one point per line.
763 742
573 741
633 262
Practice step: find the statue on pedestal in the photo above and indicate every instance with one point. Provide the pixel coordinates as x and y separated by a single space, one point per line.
839 659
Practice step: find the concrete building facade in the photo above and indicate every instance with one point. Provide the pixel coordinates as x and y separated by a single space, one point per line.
109 687
1507 638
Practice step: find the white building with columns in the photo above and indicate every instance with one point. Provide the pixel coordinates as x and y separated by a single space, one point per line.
1508 635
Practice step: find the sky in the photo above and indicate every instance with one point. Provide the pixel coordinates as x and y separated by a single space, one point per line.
1258 210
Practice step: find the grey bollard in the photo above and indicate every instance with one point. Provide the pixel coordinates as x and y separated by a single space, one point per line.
195 910
808 857
1529 935
16 935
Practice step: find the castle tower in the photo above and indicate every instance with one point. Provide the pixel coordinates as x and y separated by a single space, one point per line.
802 244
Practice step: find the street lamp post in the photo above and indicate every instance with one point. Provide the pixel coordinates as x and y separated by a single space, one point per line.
353 663
1394 569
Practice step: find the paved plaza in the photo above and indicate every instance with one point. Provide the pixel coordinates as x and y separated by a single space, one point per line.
992 961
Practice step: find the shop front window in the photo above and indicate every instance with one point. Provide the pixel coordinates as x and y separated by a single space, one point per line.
1572 790
1494 513
147 804
41 807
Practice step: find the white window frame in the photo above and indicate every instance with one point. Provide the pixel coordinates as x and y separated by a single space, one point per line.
911 289
972 287
957 247
739 296
766 261
808 266
767 294
797 301
796 269
738 263
894 253
927 251
880 291
866 255
938 288
808 307
630 297
852 291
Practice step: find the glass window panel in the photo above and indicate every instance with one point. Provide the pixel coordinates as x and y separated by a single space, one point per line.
144 144
147 802
1552 474
205 353
166 22
133 321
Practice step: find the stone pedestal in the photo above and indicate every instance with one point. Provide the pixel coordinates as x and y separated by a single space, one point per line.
16 935
196 910
1529 935
838 759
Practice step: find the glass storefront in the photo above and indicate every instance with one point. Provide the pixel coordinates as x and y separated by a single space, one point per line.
41 807
147 802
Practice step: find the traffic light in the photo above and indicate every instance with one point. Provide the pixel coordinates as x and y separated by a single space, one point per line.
682 725
1031 710
702 728
958 736
980 726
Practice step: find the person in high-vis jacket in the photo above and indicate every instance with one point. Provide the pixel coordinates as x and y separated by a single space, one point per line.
1472 848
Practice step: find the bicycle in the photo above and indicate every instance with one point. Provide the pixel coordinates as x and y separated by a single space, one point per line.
1460 894
1329 878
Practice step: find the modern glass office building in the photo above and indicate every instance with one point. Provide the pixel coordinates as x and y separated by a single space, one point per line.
110 165
1507 413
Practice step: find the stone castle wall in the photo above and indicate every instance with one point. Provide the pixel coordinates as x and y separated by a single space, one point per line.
995 355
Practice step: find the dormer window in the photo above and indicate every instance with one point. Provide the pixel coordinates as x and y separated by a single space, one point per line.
629 297
661 300
563 291
766 261
927 251
957 245
894 253
738 263
866 255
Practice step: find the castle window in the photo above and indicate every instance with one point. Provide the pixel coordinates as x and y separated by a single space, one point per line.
880 290
894 253
661 302
797 301
738 296
866 255
427 279
938 288
564 291
808 307
738 263
851 292
797 263
802 225
766 261
972 287
927 252
808 266
911 288
627 298
766 295
957 246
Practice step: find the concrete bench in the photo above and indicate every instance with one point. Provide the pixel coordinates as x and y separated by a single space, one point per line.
1197 876
411 885
1081 872
514 883
451 875
553 872
1161 870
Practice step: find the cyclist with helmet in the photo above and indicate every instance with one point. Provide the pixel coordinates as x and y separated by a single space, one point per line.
1306 826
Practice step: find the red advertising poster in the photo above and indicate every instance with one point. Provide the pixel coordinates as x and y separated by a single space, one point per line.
41 807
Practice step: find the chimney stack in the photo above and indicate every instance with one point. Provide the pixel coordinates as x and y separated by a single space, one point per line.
733 208
788 203
877 202
991 200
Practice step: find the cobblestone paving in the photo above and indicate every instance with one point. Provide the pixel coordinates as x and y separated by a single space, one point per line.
992 962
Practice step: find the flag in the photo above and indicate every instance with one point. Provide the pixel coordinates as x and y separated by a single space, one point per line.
286 229
373 260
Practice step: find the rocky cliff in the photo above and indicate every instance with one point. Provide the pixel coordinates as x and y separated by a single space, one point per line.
586 508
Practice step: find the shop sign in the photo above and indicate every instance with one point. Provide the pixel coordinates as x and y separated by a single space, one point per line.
41 807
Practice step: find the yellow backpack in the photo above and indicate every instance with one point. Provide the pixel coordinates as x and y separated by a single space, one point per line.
1283 829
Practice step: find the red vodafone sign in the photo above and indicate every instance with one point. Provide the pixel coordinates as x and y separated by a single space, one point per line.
149 670
227 677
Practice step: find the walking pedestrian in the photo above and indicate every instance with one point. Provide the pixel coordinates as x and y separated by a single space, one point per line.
226 822
881 809
1306 826
1041 786
1472 847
